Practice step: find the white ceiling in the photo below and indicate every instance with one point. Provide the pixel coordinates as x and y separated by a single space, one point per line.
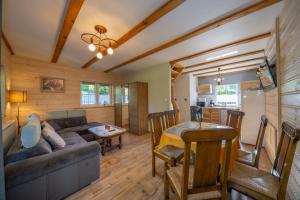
32 28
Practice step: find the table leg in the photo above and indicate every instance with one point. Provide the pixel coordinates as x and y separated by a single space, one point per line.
120 141
104 146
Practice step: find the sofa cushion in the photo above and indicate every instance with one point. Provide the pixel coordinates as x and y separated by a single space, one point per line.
46 124
53 138
31 133
58 124
72 138
75 121
77 129
16 152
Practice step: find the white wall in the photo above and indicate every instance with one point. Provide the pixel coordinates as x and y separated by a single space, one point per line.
159 85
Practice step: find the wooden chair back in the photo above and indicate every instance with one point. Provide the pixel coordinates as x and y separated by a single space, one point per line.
285 155
207 160
260 137
234 119
156 127
170 117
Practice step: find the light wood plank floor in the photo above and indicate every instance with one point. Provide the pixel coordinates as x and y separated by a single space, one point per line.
126 174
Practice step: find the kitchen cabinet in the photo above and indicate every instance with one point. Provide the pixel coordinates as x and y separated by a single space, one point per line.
250 85
204 89
212 115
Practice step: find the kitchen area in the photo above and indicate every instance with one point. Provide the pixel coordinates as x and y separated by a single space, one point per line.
208 100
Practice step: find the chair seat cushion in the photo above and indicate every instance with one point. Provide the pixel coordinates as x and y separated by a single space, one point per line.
253 179
246 157
175 176
170 151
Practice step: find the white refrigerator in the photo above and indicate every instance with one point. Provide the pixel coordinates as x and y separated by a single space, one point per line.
253 104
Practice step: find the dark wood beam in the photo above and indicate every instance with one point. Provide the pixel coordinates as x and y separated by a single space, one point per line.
226 58
221 47
202 29
228 69
69 20
7 44
225 65
235 72
163 10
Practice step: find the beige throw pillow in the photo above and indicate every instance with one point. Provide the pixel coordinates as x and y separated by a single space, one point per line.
53 138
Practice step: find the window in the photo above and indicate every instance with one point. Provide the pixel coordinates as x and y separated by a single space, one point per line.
104 94
227 95
125 94
88 94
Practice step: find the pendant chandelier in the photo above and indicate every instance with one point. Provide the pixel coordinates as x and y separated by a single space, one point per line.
99 42
219 79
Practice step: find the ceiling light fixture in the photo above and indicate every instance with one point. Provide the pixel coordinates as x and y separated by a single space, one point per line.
219 79
221 56
99 41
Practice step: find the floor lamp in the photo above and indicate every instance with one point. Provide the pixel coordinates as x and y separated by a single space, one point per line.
17 96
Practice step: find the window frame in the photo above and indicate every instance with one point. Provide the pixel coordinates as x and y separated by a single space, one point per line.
111 97
97 98
237 95
81 102
123 94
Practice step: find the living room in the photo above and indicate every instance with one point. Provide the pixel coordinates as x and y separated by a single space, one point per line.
101 99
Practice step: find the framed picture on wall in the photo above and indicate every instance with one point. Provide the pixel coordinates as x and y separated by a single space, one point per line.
52 85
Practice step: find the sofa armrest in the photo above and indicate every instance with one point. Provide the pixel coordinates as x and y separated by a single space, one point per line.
29 169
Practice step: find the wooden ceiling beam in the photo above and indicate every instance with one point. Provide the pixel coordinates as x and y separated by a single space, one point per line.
228 69
225 65
226 58
225 46
69 20
156 15
235 72
7 44
202 29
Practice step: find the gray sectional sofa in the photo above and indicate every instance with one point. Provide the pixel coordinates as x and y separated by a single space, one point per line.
44 173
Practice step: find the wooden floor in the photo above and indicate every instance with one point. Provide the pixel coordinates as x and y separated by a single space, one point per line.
126 174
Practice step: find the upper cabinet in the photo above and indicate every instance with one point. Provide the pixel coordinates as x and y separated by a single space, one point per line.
250 85
204 89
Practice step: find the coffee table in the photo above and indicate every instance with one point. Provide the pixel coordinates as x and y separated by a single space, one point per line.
105 133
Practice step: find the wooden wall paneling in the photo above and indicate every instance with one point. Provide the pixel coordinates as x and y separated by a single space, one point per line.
289 31
26 73
156 15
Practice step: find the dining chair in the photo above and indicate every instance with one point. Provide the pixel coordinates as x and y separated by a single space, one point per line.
170 118
195 113
207 177
251 158
260 184
168 153
234 119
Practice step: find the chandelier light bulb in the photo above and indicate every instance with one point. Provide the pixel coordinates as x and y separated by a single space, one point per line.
92 47
110 51
99 55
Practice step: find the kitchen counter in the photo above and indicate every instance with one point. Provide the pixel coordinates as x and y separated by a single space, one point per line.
216 114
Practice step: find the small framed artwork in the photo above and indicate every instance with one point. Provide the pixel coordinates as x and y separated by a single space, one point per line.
52 85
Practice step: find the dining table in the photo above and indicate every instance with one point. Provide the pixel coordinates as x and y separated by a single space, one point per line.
172 136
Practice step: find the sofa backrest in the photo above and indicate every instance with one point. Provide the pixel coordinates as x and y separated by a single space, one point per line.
65 114
66 119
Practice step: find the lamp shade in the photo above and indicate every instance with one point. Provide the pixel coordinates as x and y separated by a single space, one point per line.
17 96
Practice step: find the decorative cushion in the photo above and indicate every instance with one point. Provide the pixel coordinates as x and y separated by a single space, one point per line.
46 124
53 138
16 152
31 133
34 116
58 124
